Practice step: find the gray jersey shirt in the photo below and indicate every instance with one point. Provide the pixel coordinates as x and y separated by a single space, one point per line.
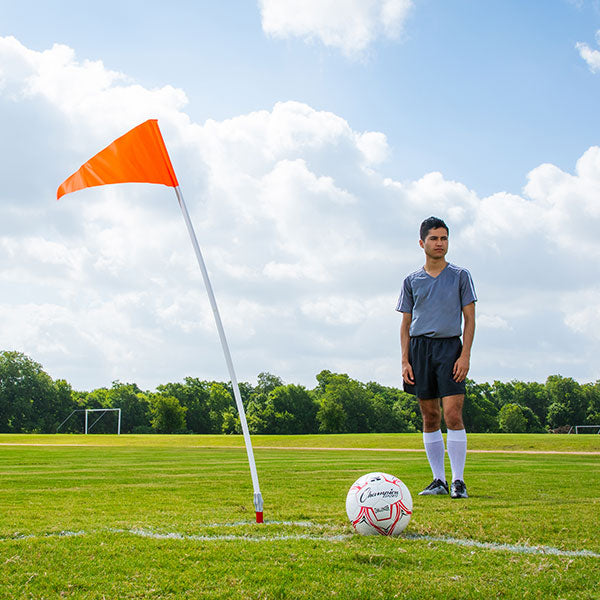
436 302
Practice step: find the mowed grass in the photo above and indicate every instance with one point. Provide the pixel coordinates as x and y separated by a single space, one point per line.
172 517
393 441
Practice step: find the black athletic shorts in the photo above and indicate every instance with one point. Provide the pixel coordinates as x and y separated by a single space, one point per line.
432 360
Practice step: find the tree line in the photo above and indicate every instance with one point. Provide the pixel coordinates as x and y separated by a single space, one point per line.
32 402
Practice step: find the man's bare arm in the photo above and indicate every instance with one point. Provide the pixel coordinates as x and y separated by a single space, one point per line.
463 363
407 371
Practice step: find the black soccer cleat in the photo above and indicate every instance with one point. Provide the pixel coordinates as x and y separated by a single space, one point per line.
458 489
436 488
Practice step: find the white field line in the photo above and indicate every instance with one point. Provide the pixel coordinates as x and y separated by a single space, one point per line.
148 533
293 523
470 451
246 538
29 536
515 548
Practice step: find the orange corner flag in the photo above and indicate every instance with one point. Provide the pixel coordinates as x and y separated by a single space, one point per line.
139 156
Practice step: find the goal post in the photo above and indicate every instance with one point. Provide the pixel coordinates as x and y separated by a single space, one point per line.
89 410
103 411
596 427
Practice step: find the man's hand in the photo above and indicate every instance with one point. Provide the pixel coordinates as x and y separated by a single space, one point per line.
407 373
461 368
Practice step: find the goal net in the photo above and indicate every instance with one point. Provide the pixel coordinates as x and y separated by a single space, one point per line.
587 429
91 417
102 411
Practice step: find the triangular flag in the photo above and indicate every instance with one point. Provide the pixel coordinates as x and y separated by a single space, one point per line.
139 156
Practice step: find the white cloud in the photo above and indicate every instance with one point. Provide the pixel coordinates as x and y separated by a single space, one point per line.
306 237
348 25
344 311
591 56
492 322
112 268
568 203
585 321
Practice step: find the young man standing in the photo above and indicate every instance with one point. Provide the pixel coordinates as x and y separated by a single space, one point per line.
435 363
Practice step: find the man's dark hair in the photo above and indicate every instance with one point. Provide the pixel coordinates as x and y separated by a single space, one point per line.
431 223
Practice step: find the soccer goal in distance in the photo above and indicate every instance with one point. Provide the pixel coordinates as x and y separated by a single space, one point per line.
103 411
87 426
587 429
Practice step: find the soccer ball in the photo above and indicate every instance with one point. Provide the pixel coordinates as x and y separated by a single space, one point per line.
379 504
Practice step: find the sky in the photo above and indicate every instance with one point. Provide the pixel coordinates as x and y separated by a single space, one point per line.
310 139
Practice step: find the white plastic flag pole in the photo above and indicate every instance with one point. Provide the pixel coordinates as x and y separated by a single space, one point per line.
258 501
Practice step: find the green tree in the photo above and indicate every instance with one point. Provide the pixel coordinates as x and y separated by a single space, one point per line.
97 398
392 410
480 413
29 399
246 391
256 418
533 423
558 415
266 383
512 419
220 400
532 395
503 393
331 416
290 409
231 422
194 394
567 392
323 378
168 416
64 403
344 404
592 394
135 411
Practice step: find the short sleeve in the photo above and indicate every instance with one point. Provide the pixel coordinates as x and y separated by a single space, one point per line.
467 289
406 301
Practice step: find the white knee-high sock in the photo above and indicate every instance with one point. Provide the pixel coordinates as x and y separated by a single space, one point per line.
457 451
434 447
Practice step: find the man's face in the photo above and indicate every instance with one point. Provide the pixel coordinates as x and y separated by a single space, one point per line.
436 243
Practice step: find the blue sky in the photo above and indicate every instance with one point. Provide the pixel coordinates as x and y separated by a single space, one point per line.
482 92
477 111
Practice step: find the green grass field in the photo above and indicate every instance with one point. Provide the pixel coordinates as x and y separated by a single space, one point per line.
172 517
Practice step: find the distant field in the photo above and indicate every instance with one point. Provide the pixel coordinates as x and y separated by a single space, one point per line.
477 441
171 517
